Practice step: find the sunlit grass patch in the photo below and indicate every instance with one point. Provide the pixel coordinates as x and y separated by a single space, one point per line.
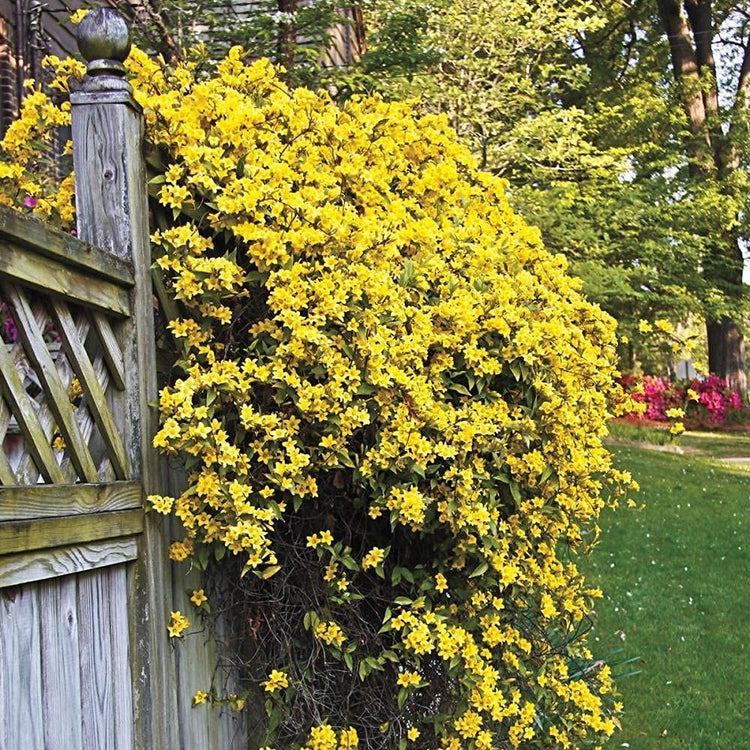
674 575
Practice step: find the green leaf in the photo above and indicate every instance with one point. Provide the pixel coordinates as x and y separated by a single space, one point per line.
349 563
515 491
364 670
481 569
272 570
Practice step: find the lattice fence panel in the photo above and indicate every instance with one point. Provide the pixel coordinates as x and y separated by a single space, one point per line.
62 380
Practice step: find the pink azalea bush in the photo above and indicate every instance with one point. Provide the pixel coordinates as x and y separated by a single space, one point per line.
704 400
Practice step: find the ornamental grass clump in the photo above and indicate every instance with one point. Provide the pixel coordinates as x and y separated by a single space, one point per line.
390 402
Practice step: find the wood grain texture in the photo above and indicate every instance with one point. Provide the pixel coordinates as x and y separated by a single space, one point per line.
26 503
61 676
119 638
97 671
112 210
23 536
7 476
195 658
198 658
6 472
49 378
43 564
110 348
21 706
95 396
48 276
36 237
25 413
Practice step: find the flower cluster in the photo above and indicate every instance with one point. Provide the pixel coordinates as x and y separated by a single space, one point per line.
390 402
28 179
178 624
705 400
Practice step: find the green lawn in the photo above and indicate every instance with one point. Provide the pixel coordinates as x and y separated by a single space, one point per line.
675 576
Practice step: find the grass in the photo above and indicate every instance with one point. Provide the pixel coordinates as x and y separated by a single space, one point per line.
675 579
708 444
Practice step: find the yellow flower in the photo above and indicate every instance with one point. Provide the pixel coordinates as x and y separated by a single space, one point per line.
161 504
198 597
275 681
178 624
179 551
664 325
315 540
412 734
200 697
441 583
677 428
236 703
408 679
348 739
645 327
330 633
469 724
548 608
78 15
326 537
373 558
322 737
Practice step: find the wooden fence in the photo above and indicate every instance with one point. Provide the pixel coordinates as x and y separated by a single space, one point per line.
85 583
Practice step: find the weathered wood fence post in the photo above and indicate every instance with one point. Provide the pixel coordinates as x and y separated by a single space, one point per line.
112 206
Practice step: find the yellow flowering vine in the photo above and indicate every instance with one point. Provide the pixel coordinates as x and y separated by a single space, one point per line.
390 401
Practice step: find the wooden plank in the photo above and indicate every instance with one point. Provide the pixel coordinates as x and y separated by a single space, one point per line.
166 302
25 412
110 348
15 228
20 671
48 276
119 637
23 536
26 503
97 678
57 394
60 663
195 659
42 564
198 658
112 211
97 401
6 471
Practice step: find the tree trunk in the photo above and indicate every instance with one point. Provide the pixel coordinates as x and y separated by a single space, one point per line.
709 157
726 353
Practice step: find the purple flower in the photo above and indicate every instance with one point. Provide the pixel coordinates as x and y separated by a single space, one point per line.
29 202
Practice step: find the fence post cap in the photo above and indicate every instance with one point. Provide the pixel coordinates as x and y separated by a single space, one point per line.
104 41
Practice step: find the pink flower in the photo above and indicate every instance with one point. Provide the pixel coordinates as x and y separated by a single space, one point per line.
735 400
29 202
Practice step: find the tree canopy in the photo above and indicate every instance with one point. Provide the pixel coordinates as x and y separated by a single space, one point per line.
620 136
